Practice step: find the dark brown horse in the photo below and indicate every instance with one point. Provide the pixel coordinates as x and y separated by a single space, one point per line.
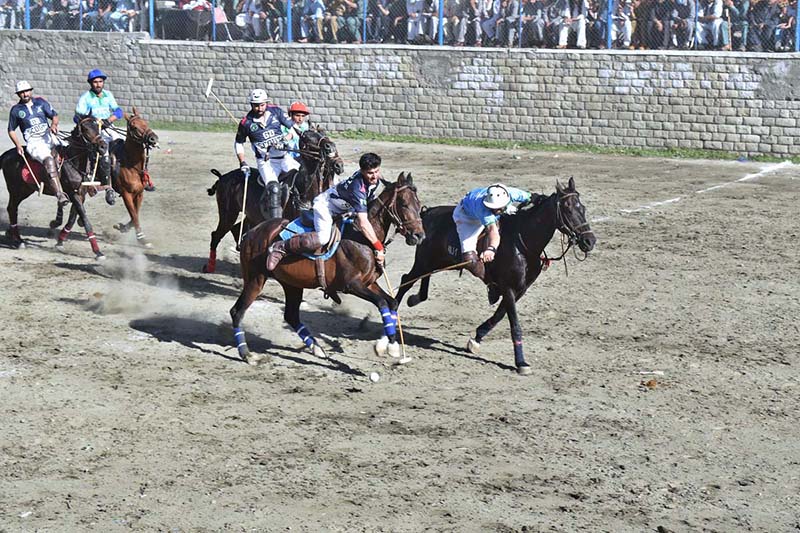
129 171
351 270
518 261
319 163
85 150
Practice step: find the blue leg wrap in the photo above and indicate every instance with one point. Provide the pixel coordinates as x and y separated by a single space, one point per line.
389 321
241 343
305 335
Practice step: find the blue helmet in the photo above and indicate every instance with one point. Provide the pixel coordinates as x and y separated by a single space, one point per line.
96 73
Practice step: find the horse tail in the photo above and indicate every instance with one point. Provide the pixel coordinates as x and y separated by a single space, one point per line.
213 189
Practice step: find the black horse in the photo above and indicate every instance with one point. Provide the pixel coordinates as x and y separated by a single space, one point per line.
83 154
518 261
319 163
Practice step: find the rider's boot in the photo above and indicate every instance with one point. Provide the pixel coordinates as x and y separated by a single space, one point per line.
305 243
52 170
273 209
475 265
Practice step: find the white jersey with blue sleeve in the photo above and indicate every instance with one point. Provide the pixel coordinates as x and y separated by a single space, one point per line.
472 203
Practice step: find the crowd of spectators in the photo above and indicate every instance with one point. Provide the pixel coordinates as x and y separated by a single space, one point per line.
745 25
89 15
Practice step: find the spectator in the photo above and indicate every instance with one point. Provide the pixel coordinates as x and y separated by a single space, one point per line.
63 14
414 14
350 28
492 11
596 22
11 15
735 24
534 19
379 21
453 17
763 21
313 16
642 12
430 19
709 24
399 15
622 24
124 11
469 30
573 22
683 17
508 24
660 24
785 29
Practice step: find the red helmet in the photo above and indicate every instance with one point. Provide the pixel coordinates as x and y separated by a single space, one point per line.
299 107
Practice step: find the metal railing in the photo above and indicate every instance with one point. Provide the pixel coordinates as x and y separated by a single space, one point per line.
763 25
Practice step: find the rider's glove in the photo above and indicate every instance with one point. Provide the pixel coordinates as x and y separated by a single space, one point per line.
511 209
245 168
380 259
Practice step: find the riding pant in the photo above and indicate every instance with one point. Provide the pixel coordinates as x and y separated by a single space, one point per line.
323 219
270 169
39 149
469 229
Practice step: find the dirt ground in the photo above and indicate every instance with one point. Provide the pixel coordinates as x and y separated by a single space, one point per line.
664 396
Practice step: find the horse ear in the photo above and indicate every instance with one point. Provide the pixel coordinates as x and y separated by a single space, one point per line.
571 184
559 187
401 178
135 112
409 179
126 116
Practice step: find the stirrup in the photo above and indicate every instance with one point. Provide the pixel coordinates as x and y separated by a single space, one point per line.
90 183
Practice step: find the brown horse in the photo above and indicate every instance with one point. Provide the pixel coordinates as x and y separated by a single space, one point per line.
351 270
85 149
519 258
129 172
319 163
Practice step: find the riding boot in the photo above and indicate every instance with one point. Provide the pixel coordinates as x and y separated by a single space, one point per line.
305 243
475 265
52 170
273 203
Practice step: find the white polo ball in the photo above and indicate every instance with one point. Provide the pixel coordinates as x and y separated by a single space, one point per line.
374 377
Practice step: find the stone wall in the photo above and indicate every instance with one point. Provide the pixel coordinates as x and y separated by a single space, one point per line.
743 103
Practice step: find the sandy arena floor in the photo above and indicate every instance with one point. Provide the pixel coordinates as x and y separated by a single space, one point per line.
125 407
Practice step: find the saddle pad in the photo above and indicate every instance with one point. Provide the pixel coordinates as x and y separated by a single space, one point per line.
296 227
38 169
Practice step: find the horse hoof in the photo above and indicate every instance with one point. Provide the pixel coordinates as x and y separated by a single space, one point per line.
207 270
381 346
413 300
524 370
473 346
253 359
146 244
394 350
60 246
19 245
100 256
317 351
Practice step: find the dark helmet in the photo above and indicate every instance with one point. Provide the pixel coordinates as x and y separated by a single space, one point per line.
96 73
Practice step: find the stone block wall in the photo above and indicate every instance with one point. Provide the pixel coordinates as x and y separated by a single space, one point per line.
743 103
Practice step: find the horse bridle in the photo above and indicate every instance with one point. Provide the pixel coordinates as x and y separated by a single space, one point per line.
134 134
391 209
574 234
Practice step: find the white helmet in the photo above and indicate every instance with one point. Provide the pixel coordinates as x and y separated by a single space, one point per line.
23 86
258 96
496 197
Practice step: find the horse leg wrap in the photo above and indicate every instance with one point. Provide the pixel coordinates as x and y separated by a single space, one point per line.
305 335
212 262
93 242
519 356
64 234
389 321
241 343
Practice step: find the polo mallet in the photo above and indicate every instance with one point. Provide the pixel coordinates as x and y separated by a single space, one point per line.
244 208
209 92
405 359
93 182
39 184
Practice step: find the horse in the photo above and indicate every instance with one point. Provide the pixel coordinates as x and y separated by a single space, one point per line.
518 261
85 149
352 268
128 173
319 162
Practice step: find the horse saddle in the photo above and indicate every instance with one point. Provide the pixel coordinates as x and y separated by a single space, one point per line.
305 224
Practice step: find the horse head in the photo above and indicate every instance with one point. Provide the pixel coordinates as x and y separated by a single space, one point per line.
139 131
403 207
571 216
87 134
316 141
